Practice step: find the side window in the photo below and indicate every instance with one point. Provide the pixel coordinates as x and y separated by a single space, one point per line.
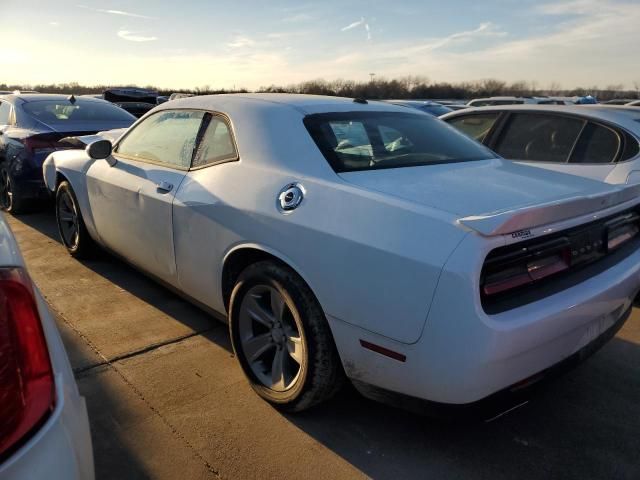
216 144
475 126
167 137
538 137
597 144
5 113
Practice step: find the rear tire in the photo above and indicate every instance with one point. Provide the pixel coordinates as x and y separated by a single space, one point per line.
11 198
281 338
73 232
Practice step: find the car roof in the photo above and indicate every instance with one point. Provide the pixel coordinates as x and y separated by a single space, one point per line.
628 117
303 104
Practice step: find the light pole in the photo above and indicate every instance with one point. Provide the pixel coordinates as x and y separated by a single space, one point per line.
372 75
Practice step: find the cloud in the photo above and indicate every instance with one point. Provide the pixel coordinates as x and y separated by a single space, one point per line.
362 22
134 36
240 42
115 12
353 25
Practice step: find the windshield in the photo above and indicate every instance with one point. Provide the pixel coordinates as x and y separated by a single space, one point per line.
82 110
373 140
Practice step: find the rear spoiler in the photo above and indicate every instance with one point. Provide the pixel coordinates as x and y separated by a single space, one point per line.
84 140
510 221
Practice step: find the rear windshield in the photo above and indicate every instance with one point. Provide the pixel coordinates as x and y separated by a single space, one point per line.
61 111
373 140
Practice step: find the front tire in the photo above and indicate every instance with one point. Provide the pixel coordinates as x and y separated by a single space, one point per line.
73 232
281 338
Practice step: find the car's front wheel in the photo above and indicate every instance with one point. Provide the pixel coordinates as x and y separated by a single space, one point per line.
281 338
73 232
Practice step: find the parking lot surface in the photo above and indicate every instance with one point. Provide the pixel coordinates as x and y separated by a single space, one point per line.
167 399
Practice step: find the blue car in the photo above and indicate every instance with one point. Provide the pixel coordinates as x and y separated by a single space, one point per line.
432 108
31 127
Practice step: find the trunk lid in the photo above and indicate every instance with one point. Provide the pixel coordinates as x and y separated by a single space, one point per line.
495 196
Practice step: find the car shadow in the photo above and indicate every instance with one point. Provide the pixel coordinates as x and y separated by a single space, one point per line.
581 425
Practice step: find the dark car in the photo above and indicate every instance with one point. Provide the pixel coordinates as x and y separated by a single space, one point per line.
31 127
432 108
137 109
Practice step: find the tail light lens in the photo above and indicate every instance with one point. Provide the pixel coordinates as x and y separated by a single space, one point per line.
27 391
531 266
511 267
37 145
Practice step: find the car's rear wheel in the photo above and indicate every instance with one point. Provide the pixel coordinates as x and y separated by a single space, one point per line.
11 199
282 339
73 232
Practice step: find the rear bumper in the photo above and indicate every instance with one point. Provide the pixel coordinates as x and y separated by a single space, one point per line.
498 402
465 355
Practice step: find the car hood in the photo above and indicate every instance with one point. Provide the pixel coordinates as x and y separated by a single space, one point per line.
487 188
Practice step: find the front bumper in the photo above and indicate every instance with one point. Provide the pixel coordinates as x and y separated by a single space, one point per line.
465 355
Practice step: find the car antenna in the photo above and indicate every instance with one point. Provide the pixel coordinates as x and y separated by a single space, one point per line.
71 99
360 100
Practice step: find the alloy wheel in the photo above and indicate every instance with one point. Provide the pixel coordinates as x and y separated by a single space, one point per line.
68 220
270 338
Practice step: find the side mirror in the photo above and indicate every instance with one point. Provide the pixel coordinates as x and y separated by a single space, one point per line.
99 150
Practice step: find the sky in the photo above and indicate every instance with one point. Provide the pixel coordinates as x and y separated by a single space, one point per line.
247 43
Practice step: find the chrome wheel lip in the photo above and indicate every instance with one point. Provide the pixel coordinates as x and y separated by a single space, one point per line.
6 193
67 215
270 338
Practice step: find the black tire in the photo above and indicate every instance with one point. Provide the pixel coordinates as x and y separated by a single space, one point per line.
11 198
83 246
320 373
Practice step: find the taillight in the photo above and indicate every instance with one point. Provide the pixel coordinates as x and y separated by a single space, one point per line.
519 265
37 145
27 391
523 266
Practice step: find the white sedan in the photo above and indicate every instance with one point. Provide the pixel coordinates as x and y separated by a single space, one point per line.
44 429
339 237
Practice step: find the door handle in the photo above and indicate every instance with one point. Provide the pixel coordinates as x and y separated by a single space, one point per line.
164 187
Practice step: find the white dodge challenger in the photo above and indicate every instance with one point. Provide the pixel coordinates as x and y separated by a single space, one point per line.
342 236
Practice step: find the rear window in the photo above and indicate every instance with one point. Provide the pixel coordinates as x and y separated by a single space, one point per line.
61 111
374 140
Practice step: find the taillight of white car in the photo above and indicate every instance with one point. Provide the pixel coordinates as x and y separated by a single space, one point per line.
27 388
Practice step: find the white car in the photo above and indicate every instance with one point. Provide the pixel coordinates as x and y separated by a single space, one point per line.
44 429
506 100
596 141
341 236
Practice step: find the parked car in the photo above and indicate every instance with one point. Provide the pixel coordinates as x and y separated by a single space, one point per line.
359 238
618 101
635 103
178 95
137 109
44 432
130 94
597 141
31 127
483 102
426 106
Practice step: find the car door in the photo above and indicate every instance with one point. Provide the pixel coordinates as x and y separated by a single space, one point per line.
132 201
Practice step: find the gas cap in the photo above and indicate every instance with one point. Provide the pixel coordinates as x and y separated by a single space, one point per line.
290 197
